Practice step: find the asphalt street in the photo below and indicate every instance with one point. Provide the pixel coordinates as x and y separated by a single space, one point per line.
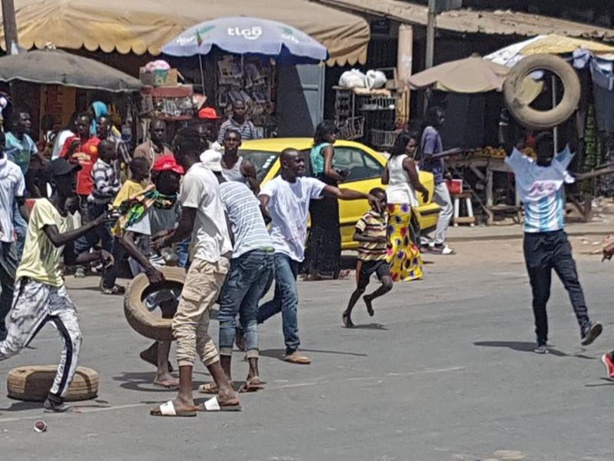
443 372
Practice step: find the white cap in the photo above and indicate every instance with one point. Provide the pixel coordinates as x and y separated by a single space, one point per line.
212 159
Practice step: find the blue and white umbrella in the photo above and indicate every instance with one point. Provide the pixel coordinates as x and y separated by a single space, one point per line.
243 35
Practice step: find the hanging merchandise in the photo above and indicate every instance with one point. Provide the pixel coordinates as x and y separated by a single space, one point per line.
249 79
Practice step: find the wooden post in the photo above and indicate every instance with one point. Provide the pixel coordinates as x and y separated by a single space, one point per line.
10 25
405 53
430 34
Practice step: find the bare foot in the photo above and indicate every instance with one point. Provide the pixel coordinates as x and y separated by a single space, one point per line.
166 380
347 320
367 301
228 398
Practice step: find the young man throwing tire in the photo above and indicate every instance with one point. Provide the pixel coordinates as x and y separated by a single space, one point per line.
40 295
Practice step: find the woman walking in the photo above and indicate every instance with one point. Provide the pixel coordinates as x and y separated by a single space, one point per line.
323 257
402 180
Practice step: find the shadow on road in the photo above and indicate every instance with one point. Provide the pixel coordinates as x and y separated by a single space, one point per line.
141 382
368 326
280 353
520 346
23 406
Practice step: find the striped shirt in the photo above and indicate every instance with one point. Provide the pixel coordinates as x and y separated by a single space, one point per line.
541 190
105 182
372 224
246 129
248 227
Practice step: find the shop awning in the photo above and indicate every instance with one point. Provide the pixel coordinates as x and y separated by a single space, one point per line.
143 26
476 21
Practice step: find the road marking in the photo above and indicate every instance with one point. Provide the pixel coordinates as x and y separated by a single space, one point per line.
426 372
77 410
290 386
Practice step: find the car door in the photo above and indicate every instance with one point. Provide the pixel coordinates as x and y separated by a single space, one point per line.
364 173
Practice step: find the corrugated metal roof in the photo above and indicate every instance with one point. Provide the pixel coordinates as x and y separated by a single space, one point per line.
474 21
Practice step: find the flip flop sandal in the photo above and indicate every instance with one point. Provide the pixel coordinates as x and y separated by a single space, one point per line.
208 388
213 405
253 385
168 409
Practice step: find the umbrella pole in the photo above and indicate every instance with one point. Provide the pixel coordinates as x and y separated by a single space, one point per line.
555 131
202 72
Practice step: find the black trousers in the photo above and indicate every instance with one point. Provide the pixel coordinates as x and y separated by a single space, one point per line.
543 252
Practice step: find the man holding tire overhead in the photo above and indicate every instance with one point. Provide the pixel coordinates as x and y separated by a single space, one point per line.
540 184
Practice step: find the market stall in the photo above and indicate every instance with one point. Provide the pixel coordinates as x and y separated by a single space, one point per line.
244 54
483 172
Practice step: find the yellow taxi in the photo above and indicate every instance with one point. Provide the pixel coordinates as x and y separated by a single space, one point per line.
365 167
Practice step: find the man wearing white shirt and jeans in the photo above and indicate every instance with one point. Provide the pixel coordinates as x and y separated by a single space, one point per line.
541 186
286 198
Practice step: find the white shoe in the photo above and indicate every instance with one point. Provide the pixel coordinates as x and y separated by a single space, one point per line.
441 248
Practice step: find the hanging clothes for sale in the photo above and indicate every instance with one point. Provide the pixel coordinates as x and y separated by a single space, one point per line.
603 89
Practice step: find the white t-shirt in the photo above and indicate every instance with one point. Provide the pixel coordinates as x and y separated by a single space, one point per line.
200 189
244 213
399 189
541 190
12 184
289 208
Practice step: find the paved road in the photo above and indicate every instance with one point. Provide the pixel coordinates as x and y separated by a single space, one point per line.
445 374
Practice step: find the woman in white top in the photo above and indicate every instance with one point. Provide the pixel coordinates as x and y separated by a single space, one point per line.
402 181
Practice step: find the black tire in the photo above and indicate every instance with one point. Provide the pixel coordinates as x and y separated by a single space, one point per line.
137 314
32 383
522 111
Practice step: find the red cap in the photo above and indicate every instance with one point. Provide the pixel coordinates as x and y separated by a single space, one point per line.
167 163
208 113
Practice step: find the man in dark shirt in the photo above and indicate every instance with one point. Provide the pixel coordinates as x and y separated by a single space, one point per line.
431 146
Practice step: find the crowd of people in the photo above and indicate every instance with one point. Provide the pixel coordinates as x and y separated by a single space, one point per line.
197 204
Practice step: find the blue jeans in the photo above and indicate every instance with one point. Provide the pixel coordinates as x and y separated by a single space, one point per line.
21 229
100 234
8 267
244 286
285 300
183 253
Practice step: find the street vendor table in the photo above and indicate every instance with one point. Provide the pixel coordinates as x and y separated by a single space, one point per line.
485 168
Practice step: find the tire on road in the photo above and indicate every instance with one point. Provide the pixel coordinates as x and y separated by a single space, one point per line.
522 111
139 317
32 383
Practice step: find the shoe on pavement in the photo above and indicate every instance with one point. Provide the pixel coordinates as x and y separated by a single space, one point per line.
590 333
541 349
607 361
80 273
297 358
441 248
56 407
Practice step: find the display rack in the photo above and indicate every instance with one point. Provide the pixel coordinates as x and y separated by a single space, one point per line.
359 111
169 103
